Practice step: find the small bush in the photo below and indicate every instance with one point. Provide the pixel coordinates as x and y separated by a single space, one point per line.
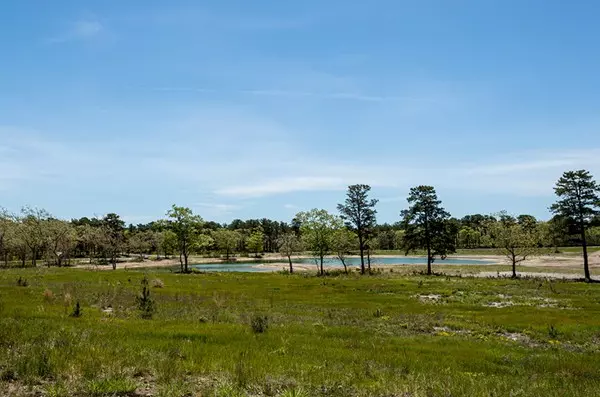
48 295
145 302
22 282
378 313
158 283
553 332
77 312
259 324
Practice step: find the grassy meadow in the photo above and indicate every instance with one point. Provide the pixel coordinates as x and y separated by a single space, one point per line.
247 334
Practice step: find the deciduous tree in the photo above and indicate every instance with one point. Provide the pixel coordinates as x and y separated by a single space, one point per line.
515 240
186 227
226 241
255 242
344 241
289 244
318 228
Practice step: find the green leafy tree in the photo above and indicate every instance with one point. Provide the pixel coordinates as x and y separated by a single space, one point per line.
468 237
318 228
202 243
186 227
169 242
426 225
255 242
359 214
515 240
578 202
344 241
289 244
113 237
226 241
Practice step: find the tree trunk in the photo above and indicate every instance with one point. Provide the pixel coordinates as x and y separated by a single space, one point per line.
586 268
428 242
369 259
185 257
514 267
345 267
322 271
291 267
362 254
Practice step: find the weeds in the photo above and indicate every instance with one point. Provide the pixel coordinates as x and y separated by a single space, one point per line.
145 302
259 324
22 282
77 311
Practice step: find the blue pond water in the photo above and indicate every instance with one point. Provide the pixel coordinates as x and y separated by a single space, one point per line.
400 260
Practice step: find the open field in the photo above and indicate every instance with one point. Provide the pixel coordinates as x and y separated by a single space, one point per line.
383 335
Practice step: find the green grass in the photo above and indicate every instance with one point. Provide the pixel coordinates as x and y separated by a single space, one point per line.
389 334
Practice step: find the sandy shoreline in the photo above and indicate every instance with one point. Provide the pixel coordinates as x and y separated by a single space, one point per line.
278 263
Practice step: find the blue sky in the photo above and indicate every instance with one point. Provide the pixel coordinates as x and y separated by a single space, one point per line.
263 108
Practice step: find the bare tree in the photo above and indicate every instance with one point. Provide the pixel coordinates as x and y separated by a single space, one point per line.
61 240
34 231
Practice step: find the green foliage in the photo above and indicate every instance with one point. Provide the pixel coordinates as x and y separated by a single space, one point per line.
77 311
578 202
426 225
318 229
255 242
110 387
289 244
146 304
22 282
358 211
516 240
186 227
226 241
579 197
259 324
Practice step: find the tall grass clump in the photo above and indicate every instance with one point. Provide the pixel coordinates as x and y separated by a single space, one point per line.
145 302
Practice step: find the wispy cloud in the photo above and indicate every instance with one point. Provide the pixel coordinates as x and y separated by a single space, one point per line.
84 29
217 209
279 93
284 185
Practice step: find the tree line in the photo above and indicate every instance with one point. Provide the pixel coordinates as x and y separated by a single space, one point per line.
34 235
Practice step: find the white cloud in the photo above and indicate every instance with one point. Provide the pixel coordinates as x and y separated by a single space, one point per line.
84 29
284 185
217 209
284 93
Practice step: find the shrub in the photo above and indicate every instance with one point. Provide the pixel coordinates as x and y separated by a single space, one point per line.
77 312
145 302
259 324
22 282
553 332
158 283
48 295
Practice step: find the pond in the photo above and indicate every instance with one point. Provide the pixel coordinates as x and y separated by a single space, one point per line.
250 266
